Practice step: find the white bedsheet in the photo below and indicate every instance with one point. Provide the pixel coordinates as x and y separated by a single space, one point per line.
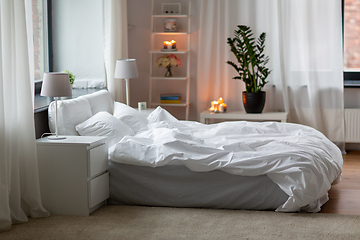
299 159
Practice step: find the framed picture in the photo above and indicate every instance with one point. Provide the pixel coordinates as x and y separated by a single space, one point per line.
171 8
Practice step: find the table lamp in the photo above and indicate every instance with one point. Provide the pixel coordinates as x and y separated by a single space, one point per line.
56 85
125 69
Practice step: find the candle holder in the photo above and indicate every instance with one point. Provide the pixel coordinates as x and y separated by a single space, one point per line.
218 106
169 46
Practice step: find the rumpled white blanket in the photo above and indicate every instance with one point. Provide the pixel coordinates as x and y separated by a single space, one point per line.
299 159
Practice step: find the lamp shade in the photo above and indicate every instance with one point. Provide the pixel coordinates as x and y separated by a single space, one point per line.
56 85
126 68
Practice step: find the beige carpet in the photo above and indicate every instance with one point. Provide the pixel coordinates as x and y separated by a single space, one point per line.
133 222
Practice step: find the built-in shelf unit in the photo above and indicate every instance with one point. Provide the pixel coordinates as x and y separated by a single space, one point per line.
159 84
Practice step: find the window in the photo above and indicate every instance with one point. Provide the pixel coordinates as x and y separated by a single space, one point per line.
351 36
40 38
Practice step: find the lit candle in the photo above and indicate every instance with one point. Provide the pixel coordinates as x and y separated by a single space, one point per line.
216 106
212 106
225 106
165 44
169 45
221 108
221 100
173 42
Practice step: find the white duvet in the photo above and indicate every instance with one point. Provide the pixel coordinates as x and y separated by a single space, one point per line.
299 159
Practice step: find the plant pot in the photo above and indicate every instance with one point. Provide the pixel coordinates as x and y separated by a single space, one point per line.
254 102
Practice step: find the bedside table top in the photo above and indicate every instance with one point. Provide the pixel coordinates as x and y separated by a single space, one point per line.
233 115
146 112
89 141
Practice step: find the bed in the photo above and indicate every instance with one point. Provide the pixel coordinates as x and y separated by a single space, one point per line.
157 160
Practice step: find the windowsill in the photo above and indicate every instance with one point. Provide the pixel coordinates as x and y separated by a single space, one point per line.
352 83
42 103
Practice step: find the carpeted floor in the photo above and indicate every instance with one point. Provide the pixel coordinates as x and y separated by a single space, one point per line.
134 222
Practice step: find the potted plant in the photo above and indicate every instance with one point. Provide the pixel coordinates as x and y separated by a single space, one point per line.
251 66
71 76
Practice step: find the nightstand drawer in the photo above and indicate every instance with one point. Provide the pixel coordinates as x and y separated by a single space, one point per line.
98 162
98 189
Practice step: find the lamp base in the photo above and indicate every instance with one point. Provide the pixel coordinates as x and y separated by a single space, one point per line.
56 137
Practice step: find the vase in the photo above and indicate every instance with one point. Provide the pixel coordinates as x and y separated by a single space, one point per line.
254 102
168 72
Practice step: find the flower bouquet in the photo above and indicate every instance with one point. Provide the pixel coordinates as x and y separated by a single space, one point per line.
168 62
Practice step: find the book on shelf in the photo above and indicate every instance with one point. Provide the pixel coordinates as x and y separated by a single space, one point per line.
170 96
170 101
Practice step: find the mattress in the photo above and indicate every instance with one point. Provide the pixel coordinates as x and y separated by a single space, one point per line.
177 186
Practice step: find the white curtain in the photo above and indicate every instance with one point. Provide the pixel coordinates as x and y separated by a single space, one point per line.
19 184
116 44
304 43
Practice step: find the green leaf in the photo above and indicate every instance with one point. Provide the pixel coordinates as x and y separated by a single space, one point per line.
251 60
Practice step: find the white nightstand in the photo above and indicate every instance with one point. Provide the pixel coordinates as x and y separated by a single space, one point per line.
238 115
73 174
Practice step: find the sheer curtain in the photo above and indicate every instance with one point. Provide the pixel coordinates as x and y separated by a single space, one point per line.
304 42
116 43
19 185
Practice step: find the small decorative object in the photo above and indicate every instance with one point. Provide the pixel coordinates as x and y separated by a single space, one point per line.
170 98
71 76
251 67
141 106
218 106
170 25
169 46
171 8
168 62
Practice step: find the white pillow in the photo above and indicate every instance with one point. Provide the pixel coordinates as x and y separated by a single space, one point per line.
70 113
100 101
136 121
160 114
104 124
